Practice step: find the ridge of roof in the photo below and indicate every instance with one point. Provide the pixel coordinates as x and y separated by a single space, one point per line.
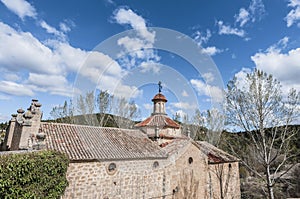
214 154
158 120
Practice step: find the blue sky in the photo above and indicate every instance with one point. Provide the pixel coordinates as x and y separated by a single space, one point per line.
55 50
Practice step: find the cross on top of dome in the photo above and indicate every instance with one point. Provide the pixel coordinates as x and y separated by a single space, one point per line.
159 86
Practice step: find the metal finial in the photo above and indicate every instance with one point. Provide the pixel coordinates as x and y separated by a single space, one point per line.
159 86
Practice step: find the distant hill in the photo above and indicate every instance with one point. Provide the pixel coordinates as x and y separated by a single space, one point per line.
97 119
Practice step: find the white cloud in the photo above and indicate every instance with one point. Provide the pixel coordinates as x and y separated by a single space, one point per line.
227 30
127 91
21 50
21 8
241 77
202 38
13 88
208 77
11 77
294 15
257 9
283 66
101 67
52 80
150 66
133 44
53 30
48 64
137 49
243 17
215 93
66 26
127 16
279 46
184 105
211 50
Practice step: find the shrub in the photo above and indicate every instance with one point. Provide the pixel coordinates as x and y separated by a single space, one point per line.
33 175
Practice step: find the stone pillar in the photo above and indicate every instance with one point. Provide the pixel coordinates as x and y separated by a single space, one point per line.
9 133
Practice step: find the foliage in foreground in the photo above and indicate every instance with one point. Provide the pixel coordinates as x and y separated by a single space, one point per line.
33 175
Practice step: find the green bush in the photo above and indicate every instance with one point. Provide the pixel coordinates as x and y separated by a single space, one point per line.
33 175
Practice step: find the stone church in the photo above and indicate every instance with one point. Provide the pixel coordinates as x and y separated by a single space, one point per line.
153 160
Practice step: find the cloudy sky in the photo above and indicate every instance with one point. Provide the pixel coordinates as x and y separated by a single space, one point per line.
55 50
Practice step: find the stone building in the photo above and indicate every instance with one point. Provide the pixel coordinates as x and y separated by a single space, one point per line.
153 160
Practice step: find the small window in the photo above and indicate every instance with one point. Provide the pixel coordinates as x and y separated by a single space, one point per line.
155 165
112 168
229 166
190 160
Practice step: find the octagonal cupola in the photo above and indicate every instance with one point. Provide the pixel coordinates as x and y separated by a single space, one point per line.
159 102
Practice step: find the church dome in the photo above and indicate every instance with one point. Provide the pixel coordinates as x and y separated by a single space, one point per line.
159 97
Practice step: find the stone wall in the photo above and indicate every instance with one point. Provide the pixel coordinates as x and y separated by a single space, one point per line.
190 174
182 175
227 175
132 179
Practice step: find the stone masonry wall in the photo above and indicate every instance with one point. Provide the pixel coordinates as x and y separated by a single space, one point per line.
132 179
185 174
190 174
226 174
175 177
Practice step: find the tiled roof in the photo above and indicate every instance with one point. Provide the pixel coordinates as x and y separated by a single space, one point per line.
99 143
175 145
159 97
214 154
159 120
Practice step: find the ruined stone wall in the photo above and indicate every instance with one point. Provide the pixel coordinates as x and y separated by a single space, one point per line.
226 174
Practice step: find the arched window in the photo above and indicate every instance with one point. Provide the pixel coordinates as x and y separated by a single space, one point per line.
190 160
155 165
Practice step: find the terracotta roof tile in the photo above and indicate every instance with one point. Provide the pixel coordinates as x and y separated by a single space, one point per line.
88 143
214 154
159 120
175 145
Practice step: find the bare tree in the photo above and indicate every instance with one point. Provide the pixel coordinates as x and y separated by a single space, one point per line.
258 107
214 122
63 113
86 107
194 127
105 106
125 112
